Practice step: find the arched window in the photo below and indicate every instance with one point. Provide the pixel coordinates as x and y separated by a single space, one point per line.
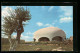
43 39
57 38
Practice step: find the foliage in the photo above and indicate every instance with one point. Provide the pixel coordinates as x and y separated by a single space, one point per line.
14 23
22 15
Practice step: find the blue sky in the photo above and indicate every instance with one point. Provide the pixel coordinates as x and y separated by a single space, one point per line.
45 16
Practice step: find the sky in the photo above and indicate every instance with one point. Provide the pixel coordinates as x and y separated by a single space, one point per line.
42 17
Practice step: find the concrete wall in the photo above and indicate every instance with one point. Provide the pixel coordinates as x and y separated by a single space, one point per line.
49 32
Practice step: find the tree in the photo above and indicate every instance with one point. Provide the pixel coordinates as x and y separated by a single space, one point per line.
8 28
14 23
22 15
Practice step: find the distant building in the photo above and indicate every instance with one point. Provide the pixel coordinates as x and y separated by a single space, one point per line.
71 38
49 34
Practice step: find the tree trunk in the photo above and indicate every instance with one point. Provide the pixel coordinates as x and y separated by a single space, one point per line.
18 37
19 31
10 49
13 45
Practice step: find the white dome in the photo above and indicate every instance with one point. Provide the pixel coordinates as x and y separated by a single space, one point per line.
49 32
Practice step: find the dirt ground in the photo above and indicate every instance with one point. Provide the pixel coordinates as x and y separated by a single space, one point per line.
44 46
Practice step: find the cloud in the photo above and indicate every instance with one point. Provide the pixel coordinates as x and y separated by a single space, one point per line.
29 33
68 10
25 22
26 38
4 36
48 25
14 36
65 20
50 8
23 37
2 21
6 11
39 24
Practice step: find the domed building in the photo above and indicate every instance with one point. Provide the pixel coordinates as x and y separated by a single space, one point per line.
49 34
